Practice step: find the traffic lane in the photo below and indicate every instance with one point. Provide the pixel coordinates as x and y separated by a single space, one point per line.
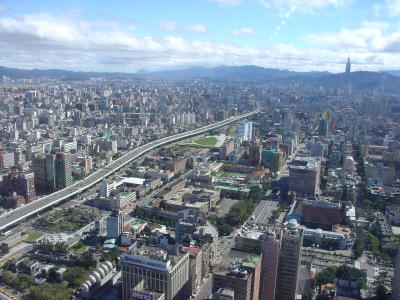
205 289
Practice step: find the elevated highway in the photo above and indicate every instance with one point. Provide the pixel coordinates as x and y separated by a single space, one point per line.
12 218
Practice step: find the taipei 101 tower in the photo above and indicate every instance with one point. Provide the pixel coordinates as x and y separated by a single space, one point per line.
348 65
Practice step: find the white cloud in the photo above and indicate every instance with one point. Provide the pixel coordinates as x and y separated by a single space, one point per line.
370 38
244 31
309 6
393 7
44 41
166 25
197 28
227 2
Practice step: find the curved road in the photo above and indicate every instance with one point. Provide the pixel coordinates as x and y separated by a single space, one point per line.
12 218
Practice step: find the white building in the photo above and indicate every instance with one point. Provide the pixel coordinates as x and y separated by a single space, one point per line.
245 131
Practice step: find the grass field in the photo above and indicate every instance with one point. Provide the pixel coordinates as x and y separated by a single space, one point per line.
208 141
33 236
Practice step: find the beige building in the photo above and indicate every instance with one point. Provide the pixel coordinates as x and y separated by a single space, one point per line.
161 272
304 176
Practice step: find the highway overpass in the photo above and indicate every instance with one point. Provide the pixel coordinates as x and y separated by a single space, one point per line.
12 218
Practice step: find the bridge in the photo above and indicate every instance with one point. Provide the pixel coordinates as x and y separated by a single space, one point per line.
20 214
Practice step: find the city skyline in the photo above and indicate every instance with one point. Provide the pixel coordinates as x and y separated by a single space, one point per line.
156 36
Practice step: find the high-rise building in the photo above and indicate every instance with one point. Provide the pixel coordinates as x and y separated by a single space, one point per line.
161 272
245 131
63 170
304 176
276 116
255 150
115 224
324 127
270 246
348 65
43 168
289 264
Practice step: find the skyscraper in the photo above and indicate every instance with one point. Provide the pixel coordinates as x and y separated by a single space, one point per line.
289 264
348 65
43 168
63 170
245 131
324 127
270 245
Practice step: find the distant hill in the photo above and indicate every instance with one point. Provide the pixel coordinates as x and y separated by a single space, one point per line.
58 74
388 80
392 72
232 73
360 80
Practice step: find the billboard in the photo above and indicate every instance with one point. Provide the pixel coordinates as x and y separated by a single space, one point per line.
137 295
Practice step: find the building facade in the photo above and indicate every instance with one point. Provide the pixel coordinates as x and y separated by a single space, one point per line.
161 272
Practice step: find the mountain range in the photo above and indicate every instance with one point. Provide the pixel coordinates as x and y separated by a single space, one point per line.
361 80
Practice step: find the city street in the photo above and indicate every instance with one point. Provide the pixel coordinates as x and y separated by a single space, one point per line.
263 211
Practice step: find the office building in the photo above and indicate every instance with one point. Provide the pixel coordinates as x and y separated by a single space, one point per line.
195 268
161 272
7 160
270 247
62 170
226 149
245 131
115 224
21 183
239 271
321 212
255 150
176 165
304 176
43 168
289 264
324 128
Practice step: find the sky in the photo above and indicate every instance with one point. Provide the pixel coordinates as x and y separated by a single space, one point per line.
131 35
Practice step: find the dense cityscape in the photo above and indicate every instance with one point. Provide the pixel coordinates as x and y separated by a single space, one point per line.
200 150
198 189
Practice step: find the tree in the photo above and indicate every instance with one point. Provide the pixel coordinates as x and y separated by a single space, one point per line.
87 260
75 276
225 229
327 275
112 255
354 274
49 292
380 288
359 244
373 244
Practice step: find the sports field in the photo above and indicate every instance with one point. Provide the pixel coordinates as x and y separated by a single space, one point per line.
208 141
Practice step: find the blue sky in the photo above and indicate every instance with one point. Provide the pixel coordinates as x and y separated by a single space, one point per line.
128 35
